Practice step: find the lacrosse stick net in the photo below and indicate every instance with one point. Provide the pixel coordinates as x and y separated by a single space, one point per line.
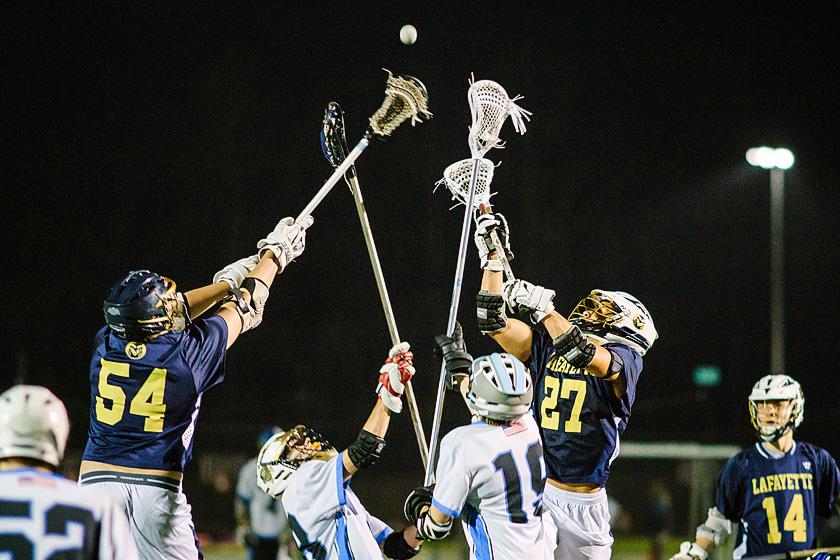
457 178
490 107
405 98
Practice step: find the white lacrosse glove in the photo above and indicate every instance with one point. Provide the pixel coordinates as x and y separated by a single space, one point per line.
394 374
525 298
235 273
484 224
287 241
690 551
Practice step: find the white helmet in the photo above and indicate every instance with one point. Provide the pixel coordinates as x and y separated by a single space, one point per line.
33 424
777 388
275 467
615 317
500 388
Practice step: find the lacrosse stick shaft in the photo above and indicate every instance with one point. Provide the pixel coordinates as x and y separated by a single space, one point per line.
336 176
795 554
386 307
500 251
450 325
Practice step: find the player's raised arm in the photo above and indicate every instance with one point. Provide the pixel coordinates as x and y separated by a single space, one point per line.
249 280
397 370
511 334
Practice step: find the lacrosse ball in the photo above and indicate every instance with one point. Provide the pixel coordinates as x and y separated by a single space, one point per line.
408 34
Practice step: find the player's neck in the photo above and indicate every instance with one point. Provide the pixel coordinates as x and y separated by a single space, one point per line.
781 445
15 463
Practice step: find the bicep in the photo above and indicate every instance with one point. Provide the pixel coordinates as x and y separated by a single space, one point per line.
516 338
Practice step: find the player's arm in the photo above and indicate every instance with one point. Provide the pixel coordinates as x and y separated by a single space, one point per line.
537 303
512 335
280 247
393 375
402 545
712 532
430 521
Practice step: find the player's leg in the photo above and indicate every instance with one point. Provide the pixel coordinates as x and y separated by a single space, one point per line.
164 522
582 522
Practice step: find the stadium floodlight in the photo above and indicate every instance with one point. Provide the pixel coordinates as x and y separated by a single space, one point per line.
777 160
769 158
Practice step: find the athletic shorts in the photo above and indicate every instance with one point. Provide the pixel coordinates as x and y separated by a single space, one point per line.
582 522
157 511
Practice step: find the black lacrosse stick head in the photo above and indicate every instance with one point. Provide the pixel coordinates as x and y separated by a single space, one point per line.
333 141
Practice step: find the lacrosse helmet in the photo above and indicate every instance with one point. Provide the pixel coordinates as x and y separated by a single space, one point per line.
33 424
777 388
500 388
615 317
143 305
285 452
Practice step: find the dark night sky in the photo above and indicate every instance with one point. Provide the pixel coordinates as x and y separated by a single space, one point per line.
173 138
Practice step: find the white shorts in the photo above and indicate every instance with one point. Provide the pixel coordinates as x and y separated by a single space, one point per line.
582 522
157 511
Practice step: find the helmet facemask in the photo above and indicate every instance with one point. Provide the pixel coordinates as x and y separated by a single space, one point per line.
615 317
285 452
776 403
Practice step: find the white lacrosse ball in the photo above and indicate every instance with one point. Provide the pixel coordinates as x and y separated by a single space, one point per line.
408 34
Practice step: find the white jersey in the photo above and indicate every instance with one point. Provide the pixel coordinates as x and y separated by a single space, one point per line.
493 478
42 514
326 517
268 519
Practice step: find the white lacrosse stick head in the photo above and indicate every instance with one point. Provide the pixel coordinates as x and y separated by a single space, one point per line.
458 177
490 107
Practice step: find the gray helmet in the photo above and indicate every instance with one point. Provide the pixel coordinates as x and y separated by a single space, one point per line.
500 388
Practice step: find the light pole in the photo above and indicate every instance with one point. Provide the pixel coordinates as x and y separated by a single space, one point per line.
777 160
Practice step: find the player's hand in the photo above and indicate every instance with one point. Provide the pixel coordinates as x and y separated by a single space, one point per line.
484 225
528 299
453 351
690 551
397 370
286 241
417 502
235 273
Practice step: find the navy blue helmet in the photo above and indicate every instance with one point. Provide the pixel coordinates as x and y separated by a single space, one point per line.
141 306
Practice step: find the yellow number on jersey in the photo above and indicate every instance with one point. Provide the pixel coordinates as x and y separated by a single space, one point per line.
148 402
794 520
578 387
550 417
114 414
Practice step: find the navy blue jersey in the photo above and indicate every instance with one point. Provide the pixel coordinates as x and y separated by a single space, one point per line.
777 500
145 396
579 415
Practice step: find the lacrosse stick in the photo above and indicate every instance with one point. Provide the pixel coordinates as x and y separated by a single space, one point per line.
456 179
792 555
405 98
490 107
334 146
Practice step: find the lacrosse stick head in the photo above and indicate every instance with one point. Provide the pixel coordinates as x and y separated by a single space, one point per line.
458 178
405 98
490 107
333 140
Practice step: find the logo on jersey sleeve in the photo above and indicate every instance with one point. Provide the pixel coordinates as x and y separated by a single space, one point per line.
135 350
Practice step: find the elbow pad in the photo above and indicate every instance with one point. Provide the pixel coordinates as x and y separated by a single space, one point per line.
716 527
575 347
252 313
428 530
365 451
490 311
395 547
